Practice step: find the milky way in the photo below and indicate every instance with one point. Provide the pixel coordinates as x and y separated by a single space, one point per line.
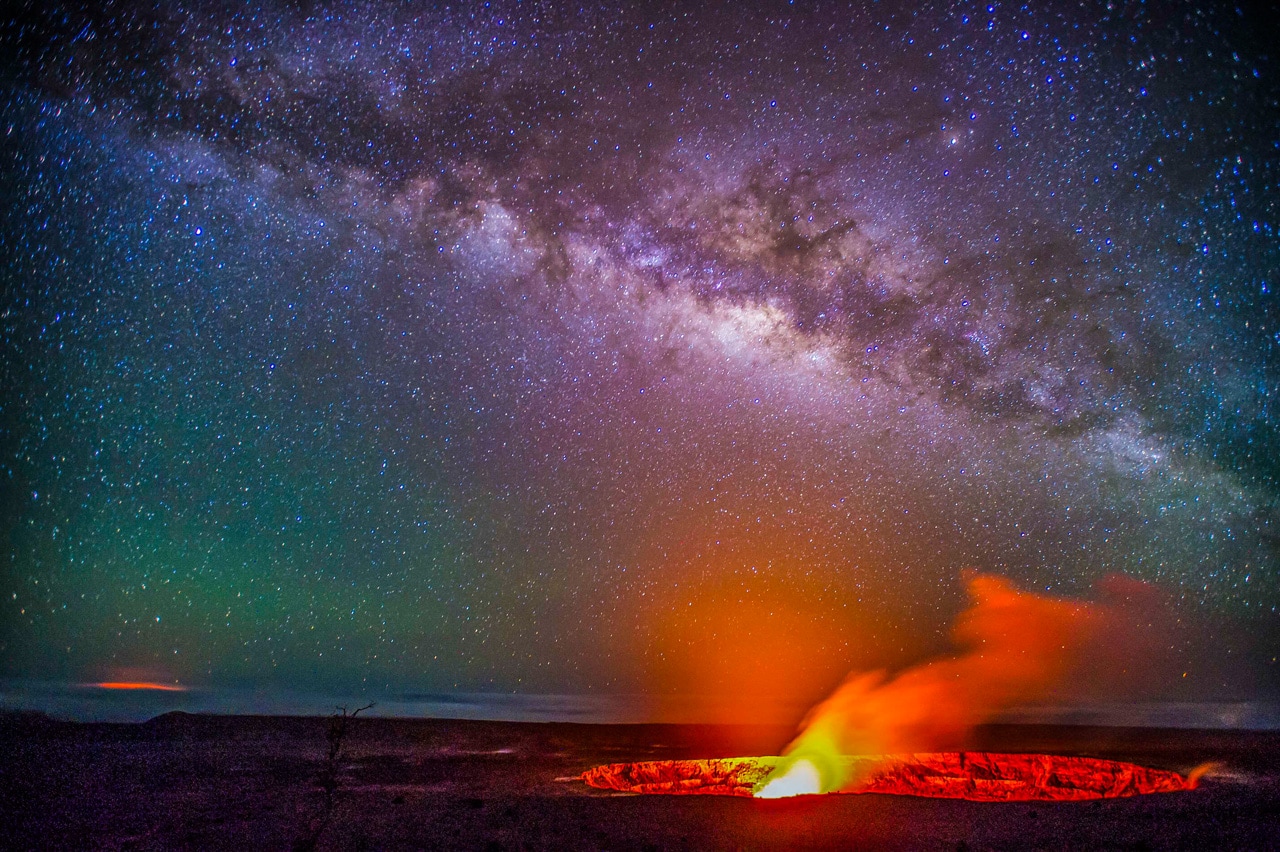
501 348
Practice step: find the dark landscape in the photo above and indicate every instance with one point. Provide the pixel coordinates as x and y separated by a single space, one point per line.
183 781
911 369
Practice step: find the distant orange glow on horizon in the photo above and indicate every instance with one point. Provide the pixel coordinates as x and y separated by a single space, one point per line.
160 687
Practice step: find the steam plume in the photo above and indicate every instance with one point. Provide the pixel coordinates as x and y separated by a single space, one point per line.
1018 646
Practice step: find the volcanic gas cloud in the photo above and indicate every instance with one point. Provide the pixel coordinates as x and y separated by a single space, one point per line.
881 733
1018 647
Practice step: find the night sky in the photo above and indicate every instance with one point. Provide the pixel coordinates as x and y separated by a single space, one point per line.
391 350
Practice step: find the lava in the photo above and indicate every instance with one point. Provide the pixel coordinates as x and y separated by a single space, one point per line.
976 776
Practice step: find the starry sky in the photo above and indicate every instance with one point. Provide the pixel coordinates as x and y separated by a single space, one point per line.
654 348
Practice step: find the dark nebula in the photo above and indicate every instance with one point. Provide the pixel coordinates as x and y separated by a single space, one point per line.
643 350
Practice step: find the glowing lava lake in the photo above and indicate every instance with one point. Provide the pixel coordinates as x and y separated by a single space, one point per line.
976 776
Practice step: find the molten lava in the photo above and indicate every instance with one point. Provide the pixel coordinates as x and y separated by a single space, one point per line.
976 776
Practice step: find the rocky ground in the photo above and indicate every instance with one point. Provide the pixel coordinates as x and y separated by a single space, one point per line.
248 783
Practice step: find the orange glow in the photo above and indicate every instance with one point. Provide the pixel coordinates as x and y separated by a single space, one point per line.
160 687
742 634
748 661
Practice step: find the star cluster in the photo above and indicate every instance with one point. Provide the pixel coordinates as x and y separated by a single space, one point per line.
532 348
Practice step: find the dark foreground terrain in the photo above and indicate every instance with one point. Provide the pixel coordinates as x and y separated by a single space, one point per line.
248 783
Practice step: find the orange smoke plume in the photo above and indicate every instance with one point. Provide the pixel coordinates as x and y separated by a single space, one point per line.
1018 647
